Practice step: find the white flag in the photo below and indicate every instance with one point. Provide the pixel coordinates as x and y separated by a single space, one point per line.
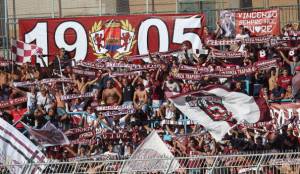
16 149
218 109
152 155
48 135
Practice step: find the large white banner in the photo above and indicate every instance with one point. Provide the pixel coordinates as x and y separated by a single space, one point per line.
218 109
152 155
16 149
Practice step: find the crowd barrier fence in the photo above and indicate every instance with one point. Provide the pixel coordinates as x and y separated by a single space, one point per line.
273 163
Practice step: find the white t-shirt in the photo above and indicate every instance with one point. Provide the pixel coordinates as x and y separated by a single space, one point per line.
146 83
44 101
110 153
174 87
91 118
242 37
31 101
169 114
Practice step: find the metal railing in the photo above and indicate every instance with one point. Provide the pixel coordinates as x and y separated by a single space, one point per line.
271 163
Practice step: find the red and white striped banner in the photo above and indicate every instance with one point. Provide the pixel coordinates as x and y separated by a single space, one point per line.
74 96
251 40
110 108
44 81
224 72
132 73
132 67
118 112
228 54
83 72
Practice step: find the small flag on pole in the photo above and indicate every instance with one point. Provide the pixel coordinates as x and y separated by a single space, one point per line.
23 52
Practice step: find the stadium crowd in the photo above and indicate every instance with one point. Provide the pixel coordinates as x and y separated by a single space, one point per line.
142 94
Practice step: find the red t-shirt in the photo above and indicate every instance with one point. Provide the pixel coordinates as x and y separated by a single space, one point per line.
157 92
17 114
284 82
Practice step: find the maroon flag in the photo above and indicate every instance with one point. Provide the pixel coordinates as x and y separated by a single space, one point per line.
48 135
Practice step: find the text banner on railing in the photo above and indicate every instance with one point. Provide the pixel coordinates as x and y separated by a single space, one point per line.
284 111
113 36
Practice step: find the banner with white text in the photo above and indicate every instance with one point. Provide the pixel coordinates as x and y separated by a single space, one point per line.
259 22
91 38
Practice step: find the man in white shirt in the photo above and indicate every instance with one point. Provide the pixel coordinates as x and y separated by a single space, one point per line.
31 99
44 100
241 36
171 85
110 151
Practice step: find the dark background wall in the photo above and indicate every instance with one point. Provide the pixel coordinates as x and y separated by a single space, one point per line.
123 7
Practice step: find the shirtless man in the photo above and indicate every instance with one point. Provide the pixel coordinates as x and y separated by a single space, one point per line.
111 96
82 84
61 110
59 103
140 98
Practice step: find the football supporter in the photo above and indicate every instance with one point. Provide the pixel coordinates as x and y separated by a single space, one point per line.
109 111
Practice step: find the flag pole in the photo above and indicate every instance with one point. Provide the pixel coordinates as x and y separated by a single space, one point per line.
12 62
63 84
11 57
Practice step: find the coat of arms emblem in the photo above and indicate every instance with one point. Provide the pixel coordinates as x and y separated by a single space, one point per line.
212 106
113 39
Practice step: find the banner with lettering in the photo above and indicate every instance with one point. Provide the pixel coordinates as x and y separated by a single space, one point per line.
91 38
259 22
200 72
284 111
12 102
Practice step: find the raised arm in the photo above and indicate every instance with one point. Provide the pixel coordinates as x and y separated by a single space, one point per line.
71 151
134 80
92 82
157 74
43 61
170 131
18 90
83 88
285 58
134 99
117 81
218 30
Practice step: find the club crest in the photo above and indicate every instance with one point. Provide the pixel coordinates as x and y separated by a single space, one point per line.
113 39
212 106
